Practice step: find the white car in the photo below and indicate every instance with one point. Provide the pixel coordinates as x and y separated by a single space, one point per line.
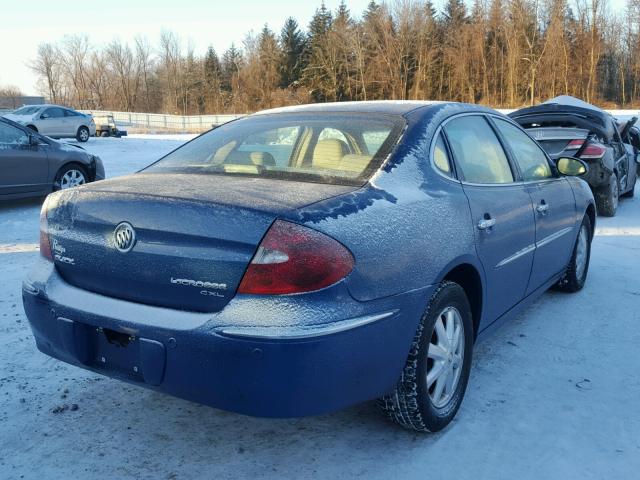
55 121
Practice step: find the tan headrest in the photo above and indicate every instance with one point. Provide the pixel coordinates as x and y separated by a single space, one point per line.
262 158
328 153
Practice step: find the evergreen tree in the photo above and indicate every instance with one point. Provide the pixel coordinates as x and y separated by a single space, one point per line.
231 63
292 43
211 68
269 57
320 23
455 13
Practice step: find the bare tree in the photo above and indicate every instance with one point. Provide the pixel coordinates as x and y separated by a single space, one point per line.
48 66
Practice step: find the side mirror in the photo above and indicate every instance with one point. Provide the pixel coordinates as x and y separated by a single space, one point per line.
570 166
33 140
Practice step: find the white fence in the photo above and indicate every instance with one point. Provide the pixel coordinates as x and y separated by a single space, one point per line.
162 122
200 123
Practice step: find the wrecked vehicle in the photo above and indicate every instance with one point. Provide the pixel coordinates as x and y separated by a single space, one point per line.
566 126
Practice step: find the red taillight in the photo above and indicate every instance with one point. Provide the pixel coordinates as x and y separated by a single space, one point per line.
45 245
574 144
593 150
295 259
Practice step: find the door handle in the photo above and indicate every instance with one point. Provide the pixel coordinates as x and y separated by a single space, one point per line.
543 208
486 223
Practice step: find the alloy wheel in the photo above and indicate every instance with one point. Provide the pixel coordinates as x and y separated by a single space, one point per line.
72 178
581 251
445 357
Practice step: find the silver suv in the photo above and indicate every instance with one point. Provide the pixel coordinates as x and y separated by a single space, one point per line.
55 121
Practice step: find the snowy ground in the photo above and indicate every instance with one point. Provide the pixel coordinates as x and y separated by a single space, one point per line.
553 394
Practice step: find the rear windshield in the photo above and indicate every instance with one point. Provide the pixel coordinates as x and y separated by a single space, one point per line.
322 148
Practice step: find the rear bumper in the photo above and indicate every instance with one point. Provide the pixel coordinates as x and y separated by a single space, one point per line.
284 371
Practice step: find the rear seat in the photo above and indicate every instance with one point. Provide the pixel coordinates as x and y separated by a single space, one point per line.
333 154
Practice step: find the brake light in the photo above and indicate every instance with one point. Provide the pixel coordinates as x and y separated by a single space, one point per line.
593 150
295 259
45 245
574 144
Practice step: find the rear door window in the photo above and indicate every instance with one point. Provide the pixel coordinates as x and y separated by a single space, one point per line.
54 112
477 151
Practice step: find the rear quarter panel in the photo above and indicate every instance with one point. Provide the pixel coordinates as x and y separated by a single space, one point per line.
407 227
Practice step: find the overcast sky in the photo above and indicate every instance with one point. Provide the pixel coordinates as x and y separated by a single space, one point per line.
25 24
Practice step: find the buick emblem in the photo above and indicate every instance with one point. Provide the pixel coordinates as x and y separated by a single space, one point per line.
124 237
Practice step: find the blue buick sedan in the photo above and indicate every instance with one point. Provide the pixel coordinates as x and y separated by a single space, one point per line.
304 259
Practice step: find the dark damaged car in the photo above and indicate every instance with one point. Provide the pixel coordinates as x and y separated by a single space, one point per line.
566 126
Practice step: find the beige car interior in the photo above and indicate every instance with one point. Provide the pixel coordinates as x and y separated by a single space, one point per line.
328 154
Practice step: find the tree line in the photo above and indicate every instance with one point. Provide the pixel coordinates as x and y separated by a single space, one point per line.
503 53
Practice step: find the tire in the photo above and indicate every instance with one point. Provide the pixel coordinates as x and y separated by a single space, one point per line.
607 200
32 127
83 134
104 134
70 175
414 404
578 268
631 193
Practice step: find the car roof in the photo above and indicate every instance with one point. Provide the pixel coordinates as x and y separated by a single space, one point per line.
393 107
59 106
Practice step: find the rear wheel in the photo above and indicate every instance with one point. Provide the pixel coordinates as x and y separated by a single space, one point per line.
607 199
578 268
32 127
83 134
70 176
435 376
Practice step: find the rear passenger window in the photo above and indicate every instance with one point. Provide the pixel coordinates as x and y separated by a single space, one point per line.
477 150
54 112
529 156
441 157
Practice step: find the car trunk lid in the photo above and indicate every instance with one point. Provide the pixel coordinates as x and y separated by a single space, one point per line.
558 141
194 234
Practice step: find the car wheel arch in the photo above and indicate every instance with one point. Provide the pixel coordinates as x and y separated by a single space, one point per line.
71 163
469 275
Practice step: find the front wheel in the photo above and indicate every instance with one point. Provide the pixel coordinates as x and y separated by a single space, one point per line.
576 275
70 176
83 134
435 376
